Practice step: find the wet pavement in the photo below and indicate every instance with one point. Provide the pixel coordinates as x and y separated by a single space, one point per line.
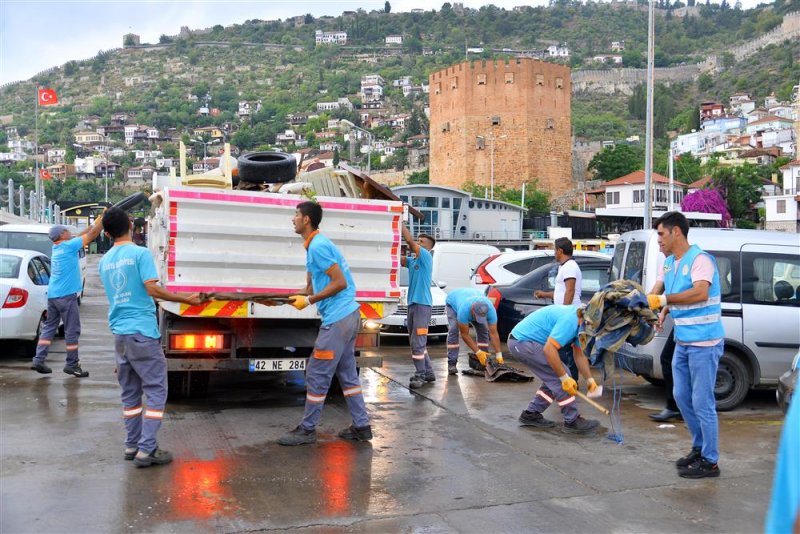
449 457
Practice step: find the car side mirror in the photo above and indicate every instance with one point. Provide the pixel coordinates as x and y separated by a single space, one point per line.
441 284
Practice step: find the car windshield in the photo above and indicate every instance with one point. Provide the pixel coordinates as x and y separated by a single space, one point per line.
402 277
9 266
27 241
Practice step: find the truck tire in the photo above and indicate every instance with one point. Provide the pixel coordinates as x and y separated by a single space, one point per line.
267 167
733 382
131 201
187 384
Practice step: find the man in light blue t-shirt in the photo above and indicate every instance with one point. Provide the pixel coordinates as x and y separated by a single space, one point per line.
420 273
467 306
62 296
535 341
330 286
130 279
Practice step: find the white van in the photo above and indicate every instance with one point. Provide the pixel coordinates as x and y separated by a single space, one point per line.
454 263
35 237
759 275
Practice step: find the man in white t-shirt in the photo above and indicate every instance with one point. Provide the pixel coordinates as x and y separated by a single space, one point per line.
568 279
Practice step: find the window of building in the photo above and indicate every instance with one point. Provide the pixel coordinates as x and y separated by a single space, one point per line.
509 77
425 202
471 203
438 88
446 127
540 79
781 208
454 82
480 143
551 123
481 79
446 203
559 83
609 198
495 121
456 204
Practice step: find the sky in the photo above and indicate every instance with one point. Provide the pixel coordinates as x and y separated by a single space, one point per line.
38 34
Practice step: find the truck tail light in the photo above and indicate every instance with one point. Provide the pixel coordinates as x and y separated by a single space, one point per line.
482 275
495 296
199 342
16 298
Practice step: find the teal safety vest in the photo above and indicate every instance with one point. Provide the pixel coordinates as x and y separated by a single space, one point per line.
701 321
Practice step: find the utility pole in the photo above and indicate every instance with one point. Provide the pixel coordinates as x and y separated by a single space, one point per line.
648 156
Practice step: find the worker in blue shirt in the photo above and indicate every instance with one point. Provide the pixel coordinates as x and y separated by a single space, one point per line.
467 306
784 508
420 273
535 341
330 286
62 296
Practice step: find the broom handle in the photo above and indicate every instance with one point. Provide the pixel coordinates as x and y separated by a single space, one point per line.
592 402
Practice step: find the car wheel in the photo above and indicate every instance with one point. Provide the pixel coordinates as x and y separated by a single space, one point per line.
267 167
30 346
733 382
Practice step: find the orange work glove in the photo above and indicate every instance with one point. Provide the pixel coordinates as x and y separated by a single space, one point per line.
300 302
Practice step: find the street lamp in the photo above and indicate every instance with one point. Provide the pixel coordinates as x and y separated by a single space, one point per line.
369 139
205 146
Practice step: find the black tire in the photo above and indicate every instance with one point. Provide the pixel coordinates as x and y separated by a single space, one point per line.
655 381
733 382
267 167
131 201
187 384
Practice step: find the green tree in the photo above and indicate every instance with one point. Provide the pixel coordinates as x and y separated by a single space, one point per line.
164 39
129 40
741 189
387 7
419 177
336 156
70 67
615 161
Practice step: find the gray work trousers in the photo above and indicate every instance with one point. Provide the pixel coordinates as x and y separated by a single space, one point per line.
334 354
532 354
454 336
65 308
141 369
417 321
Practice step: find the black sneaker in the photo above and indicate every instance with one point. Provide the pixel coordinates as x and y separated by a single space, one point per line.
41 368
157 457
130 454
536 419
452 369
689 459
357 433
298 436
430 377
580 426
700 468
75 370
417 381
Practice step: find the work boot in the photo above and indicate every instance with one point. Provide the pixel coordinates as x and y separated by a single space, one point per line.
130 454
430 377
580 426
75 370
700 468
157 457
41 368
689 459
417 381
536 419
452 369
298 436
357 433
665 415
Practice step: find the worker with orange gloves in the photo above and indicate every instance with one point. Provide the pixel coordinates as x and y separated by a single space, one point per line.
467 306
535 341
330 286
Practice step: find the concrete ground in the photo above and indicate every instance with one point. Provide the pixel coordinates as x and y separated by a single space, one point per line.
450 457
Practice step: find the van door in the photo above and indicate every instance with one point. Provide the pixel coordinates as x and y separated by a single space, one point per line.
771 306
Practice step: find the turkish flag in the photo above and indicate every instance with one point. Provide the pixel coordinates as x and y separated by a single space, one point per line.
45 174
47 97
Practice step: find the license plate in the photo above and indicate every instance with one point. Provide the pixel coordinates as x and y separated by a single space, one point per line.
282 364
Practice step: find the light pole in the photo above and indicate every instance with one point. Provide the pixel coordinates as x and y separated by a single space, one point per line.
205 146
369 140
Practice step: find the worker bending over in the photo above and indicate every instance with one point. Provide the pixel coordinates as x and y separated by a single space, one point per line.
467 306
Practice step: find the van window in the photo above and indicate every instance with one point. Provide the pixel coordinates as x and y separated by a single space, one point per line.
616 262
593 278
634 262
728 267
770 279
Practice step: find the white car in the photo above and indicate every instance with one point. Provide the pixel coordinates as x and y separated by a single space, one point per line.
24 275
503 269
35 237
395 325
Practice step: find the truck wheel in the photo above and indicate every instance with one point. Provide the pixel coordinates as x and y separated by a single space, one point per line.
267 167
187 384
733 382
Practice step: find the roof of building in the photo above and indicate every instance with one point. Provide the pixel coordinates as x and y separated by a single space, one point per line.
637 177
756 152
701 183
793 163
770 118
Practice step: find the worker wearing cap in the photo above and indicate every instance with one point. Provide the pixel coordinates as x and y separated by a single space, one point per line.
535 341
420 274
467 306
62 296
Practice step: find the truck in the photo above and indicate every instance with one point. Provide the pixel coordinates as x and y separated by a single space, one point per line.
238 247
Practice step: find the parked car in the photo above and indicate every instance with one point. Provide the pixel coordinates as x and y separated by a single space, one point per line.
455 263
759 275
395 325
787 384
505 268
35 237
24 275
514 302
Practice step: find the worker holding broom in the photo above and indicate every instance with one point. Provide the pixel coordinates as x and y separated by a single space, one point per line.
535 341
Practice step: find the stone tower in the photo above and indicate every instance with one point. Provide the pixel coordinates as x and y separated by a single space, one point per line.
509 119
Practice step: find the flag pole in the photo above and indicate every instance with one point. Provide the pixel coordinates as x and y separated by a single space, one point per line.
38 178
